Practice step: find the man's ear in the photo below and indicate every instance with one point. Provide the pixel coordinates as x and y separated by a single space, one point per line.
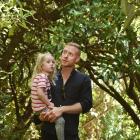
77 59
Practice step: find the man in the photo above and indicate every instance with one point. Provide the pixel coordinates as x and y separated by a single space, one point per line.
72 96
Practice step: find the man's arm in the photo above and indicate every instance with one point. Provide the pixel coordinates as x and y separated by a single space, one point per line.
86 95
82 106
85 100
72 109
56 112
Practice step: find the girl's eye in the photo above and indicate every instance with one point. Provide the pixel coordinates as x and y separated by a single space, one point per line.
48 61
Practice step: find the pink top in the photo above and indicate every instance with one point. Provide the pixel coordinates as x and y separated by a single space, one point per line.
41 80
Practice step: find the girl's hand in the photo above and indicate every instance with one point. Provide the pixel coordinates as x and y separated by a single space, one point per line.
54 114
51 105
42 116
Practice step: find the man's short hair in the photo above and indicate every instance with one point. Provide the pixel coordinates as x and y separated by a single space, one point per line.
74 45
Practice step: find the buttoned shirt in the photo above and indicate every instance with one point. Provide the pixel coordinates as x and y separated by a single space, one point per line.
77 89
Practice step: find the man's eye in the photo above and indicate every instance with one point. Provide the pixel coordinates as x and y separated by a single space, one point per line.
64 52
70 54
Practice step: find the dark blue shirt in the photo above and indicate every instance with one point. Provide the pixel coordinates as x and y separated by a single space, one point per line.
77 89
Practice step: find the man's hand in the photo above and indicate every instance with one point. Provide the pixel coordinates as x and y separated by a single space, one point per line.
42 116
51 114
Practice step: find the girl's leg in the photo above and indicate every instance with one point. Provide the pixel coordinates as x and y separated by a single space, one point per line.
59 126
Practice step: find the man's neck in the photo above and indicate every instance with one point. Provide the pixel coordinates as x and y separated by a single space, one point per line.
66 71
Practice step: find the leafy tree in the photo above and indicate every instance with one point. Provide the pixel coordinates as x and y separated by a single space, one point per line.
109 44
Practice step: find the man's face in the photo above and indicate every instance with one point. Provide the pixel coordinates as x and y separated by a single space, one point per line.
70 56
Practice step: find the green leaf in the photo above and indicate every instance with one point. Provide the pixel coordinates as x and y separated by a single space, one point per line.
12 30
23 24
130 16
124 6
14 2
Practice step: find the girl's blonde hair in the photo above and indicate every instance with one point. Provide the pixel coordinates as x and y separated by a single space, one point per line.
38 66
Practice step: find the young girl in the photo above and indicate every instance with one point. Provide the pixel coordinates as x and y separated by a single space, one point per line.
41 84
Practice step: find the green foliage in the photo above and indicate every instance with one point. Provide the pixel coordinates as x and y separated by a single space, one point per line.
117 125
107 121
108 32
13 15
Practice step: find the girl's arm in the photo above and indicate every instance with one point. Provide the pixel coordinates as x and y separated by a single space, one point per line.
42 96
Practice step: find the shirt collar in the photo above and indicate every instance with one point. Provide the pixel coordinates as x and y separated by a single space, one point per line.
60 75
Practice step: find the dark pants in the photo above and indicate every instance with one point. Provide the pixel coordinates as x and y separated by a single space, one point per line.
48 136
48 132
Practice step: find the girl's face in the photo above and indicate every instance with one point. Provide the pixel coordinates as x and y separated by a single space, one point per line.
48 64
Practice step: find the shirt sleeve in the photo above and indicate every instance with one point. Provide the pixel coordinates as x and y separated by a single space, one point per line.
86 95
42 81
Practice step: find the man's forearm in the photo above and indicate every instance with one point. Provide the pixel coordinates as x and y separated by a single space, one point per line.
72 109
56 112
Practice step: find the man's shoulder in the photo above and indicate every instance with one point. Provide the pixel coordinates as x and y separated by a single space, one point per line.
81 74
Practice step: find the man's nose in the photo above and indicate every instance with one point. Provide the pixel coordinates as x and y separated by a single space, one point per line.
65 54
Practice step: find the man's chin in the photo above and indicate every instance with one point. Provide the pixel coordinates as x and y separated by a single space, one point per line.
67 66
